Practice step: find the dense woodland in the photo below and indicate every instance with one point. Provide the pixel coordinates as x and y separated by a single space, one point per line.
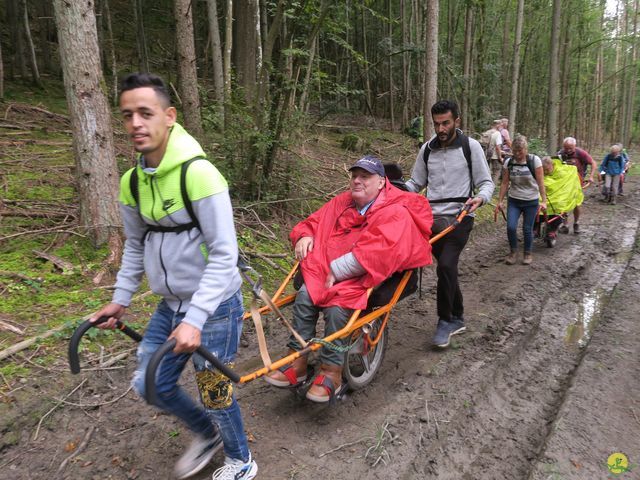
250 75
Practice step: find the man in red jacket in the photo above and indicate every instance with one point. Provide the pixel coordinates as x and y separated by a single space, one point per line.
354 242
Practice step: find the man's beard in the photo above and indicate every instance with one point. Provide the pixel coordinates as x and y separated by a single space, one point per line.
447 136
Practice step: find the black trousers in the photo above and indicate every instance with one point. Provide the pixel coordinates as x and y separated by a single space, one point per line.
447 251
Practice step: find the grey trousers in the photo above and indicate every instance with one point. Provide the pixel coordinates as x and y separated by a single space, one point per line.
611 183
305 319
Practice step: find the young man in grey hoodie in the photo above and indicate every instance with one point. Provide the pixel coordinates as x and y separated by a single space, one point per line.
453 168
188 249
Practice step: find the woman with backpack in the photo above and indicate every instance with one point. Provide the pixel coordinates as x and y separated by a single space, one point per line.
523 178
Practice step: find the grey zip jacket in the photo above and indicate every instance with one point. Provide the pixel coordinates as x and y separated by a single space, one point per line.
194 270
449 175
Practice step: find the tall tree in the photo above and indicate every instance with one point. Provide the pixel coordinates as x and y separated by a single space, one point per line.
228 40
1 74
141 39
216 51
467 68
515 67
18 56
96 169
390 65
245 44
430 64
405 63
188 75
554 97
26 29
630 100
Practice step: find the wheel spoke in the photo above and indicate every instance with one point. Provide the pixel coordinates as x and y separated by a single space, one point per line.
366 363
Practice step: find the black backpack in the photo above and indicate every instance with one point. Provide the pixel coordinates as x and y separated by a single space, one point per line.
530 165
194 223
466 150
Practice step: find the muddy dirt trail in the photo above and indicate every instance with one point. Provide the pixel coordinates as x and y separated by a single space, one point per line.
544 384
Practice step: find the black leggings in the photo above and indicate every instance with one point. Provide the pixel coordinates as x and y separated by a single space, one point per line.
447 252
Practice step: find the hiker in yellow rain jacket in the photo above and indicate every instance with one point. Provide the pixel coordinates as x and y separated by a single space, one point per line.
562 184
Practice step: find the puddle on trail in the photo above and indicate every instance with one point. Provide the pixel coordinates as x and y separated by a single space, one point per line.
589 309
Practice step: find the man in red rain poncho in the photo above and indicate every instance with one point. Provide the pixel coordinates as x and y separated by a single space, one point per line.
354 242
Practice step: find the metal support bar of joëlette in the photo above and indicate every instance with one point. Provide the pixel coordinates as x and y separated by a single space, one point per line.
150 384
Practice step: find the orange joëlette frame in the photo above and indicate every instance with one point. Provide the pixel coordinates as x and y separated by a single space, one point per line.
355 321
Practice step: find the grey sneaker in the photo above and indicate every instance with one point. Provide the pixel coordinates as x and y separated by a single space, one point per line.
563 229
576 228
234 469
447 328
198 455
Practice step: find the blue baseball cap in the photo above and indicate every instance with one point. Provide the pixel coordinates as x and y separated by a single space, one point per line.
371 164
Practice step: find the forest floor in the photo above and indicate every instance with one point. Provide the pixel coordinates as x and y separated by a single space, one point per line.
545 383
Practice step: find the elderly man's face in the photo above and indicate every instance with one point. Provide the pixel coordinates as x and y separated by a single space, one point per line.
569 148
547 168
364 186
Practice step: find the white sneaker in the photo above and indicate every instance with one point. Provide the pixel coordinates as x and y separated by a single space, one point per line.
234 469
197 456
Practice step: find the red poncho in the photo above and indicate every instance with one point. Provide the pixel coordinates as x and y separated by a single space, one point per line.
392 236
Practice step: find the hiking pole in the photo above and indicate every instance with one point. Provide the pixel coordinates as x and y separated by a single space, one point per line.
74 359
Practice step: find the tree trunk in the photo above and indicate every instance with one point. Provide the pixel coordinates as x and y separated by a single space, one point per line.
141 41
1 75
244 51
45 13
515 68
18 57
216 52
112 51
228 41
188 85
504 51
96 169
554 100
431 65
302 104
405 62
33 64
631 88
390 66
467 119
311 47
367 78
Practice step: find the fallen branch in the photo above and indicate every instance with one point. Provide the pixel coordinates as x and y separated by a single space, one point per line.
30 341
66 267
11 328
79 450
16 275
95 405
340 447
35 436
18 347
269 262
42 230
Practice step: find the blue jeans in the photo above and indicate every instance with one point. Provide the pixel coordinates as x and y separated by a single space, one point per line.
220 335
528 209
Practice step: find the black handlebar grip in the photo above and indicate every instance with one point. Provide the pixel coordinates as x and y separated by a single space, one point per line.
74 359
151 393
